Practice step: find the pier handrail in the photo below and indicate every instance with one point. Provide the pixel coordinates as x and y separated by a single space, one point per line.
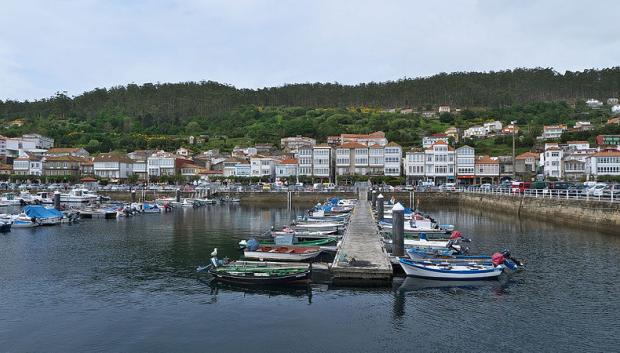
577 195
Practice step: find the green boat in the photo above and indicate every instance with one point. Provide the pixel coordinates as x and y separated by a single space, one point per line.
317 242
258 272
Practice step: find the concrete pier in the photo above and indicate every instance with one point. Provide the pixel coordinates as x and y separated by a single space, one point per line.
362 258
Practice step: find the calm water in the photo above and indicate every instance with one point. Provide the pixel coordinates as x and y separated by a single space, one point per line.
129 285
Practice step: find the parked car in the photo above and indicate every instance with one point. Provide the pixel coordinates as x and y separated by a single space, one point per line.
447 187
486 187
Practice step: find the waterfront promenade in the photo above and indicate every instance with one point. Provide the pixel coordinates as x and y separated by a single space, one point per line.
362 258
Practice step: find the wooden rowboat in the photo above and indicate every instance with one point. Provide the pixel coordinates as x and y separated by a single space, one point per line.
282 253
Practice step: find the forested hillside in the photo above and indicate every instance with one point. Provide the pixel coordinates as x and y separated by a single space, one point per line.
162 115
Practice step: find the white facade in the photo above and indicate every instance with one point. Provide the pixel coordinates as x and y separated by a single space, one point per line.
304 161
475 131
465 161
393 156
286 168
262 166
605 163
493 126
435 163
414 164
40 141
321 161
428 141
160 163
551 160
552 132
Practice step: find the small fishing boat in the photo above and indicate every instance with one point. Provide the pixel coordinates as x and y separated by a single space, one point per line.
23 221
304 233
255 250
451 271
276 241
323 226
43 215
229 199
419 226
151 208
79 195
422 242
452 257
257 272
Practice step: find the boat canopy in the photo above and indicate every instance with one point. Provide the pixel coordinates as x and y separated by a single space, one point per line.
37 211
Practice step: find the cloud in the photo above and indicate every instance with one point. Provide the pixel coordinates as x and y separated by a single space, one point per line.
75 46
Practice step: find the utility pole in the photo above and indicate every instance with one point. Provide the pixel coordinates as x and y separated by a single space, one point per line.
514 165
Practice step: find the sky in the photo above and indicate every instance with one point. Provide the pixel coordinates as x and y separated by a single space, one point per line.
76 46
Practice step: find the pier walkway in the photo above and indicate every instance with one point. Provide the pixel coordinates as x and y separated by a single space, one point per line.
362 258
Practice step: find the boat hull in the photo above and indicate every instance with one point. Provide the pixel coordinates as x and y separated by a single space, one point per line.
436 271
298 278
306 253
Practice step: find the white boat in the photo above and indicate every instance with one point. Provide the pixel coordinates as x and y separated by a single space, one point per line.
44 197
450 271
418 226
319 225
22 221
10 200
282 253
79 195
427 244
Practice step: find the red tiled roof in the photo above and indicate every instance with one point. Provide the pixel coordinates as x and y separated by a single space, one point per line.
486 160
527 155
64 150
288 161
352 145
576 142
607 154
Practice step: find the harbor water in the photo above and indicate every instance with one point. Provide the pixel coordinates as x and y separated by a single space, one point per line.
129 285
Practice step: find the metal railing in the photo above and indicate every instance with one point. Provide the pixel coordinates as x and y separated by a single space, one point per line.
612 196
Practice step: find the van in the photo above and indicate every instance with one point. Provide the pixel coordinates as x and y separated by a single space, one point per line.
520 186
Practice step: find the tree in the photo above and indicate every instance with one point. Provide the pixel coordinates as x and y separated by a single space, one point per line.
93 146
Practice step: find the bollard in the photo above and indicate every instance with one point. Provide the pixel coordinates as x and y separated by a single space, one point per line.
374 199
133 195
178 195
380 206
57 200
398 230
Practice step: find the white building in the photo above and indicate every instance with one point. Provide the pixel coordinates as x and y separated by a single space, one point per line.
475 131
552 132
583 126
493 126
444 109
428 141
161 163
182 151
292 144
440 164
286 168
261 166
321 161
414 165
392 157
486 169
40 141
28 165
304 160
594 103
551 160
465 164
375 138
352 158
605 163
112 166
615 109
578 145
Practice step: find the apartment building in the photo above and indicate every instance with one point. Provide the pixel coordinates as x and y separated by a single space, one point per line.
465 164
487 169
392 157
112 166
322 161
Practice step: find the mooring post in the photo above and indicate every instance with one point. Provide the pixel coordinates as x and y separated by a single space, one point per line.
380 207
411 199
374 199
178 195
57 200
398 230
133 195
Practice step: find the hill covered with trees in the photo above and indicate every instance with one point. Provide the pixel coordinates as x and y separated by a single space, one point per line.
163 115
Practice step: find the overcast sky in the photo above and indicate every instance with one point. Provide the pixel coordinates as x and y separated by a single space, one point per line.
75 46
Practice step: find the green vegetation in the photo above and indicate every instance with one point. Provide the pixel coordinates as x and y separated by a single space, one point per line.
165 115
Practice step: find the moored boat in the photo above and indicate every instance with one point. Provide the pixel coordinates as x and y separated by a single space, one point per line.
280 253
451 271
257 272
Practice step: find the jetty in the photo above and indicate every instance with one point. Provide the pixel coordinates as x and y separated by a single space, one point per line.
362 258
